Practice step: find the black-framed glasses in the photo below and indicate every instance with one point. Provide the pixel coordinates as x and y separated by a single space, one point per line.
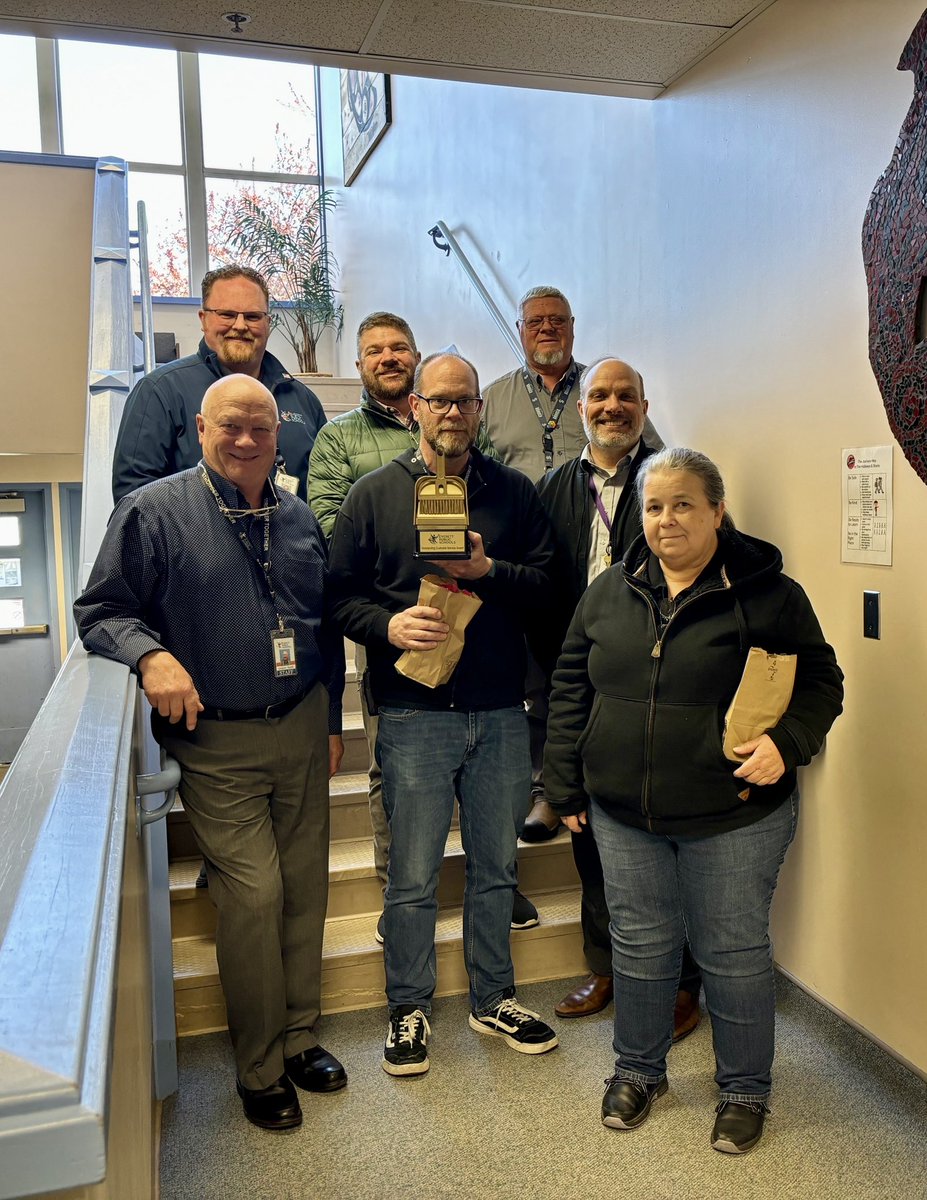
228 315
535 323
439 405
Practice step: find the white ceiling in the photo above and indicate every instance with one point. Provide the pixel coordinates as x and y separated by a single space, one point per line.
616 47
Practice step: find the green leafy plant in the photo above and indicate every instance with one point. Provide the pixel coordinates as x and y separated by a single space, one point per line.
288 245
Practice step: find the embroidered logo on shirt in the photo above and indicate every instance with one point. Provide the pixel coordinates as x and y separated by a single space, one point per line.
292 416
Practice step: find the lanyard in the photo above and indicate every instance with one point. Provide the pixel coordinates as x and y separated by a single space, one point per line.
263 563
549 425
602 510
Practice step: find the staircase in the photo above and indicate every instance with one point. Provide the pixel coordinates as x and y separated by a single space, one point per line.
352 960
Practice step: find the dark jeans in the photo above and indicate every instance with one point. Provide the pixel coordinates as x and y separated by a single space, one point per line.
718 890
597 940
426 757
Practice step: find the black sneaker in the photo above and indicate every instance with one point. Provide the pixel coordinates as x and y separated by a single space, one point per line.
519 1027
405 1052
626 1103
738 1126
524 914
380 931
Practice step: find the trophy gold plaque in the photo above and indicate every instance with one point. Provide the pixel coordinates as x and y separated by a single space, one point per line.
442 515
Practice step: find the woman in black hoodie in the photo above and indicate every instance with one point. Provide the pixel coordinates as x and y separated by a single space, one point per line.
691 843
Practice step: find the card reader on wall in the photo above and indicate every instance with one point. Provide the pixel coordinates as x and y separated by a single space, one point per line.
871 622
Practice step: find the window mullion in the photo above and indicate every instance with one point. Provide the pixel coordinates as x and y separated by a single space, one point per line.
195 182
49 83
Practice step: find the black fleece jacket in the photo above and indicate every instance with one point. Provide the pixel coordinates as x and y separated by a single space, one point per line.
373 576
638 705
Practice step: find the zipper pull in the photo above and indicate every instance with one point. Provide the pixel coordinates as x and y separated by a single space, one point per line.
655 652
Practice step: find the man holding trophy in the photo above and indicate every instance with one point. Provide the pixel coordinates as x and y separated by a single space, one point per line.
446 661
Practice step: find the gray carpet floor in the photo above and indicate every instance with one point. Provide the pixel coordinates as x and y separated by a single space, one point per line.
485 1123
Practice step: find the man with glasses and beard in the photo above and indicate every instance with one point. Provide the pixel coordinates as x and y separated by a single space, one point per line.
467 737
350 446
158 435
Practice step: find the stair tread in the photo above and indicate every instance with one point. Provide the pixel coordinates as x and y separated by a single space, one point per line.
353 937
348 783
352 858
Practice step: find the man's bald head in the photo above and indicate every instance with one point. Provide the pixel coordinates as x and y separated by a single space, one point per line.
237 387
237 425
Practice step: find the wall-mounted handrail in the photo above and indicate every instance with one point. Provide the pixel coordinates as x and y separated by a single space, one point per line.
141 238
440 230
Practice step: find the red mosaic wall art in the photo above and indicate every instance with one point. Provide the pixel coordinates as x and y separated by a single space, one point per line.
895 256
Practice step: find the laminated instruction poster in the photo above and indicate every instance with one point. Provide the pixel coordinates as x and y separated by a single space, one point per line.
866 526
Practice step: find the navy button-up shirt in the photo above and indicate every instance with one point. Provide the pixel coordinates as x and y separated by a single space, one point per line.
172 574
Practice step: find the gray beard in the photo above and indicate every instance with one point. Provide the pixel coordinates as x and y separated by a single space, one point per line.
548 358
611 441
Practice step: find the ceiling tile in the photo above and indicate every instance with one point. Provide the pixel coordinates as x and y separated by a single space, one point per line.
455 31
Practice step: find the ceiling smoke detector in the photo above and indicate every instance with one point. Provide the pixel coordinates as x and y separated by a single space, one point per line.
236 20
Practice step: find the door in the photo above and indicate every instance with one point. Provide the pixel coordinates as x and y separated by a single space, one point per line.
28 611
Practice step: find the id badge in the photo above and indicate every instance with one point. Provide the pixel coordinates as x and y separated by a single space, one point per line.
283 642
286 483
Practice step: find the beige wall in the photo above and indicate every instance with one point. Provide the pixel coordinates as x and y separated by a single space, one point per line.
43 396
713 237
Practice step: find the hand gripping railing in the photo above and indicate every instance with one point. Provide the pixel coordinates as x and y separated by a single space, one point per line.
440 230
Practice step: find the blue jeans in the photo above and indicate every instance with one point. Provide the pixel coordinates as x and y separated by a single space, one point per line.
716 891
427 758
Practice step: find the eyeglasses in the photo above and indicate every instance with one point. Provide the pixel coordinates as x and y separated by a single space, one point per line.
535 323
440 405
230 317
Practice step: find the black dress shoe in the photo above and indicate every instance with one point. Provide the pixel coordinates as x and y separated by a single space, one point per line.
274 1107
738 1127
316 1070
626 1103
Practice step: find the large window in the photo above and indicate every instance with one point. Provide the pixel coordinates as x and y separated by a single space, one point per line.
202 133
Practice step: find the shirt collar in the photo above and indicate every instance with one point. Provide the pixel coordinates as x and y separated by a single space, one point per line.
389 411
231 496
622 469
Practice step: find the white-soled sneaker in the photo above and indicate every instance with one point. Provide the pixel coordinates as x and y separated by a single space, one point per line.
519 1027
406 1049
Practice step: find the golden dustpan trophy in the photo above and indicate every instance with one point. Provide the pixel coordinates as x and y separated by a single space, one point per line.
442 515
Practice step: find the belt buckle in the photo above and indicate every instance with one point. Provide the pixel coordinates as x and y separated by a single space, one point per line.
268 712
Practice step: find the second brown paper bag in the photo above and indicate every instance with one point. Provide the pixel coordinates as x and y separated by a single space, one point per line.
762 697
434 667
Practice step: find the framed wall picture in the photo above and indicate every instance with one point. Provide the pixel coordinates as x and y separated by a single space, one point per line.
365 117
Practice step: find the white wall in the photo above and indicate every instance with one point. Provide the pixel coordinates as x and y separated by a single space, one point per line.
713 237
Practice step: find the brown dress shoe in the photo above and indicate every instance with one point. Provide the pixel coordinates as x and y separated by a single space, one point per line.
588 997
686 1015
542 822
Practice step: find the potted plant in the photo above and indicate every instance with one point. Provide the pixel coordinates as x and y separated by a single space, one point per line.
290 249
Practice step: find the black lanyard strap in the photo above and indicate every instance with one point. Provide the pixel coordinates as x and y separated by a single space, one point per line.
551 423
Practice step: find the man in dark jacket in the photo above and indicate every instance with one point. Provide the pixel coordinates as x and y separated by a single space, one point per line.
351 446
593 506
158 435
468 735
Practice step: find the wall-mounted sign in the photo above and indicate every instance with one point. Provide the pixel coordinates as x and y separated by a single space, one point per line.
365 117
866 505
11 574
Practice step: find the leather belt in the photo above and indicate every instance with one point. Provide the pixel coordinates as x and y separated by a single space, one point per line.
252 714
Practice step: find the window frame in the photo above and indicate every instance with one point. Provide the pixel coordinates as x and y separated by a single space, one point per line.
192 167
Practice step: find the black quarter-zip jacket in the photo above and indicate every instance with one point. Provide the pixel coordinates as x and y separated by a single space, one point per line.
373 576
638 702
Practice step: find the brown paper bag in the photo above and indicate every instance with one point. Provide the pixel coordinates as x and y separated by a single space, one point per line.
434 667
762 696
